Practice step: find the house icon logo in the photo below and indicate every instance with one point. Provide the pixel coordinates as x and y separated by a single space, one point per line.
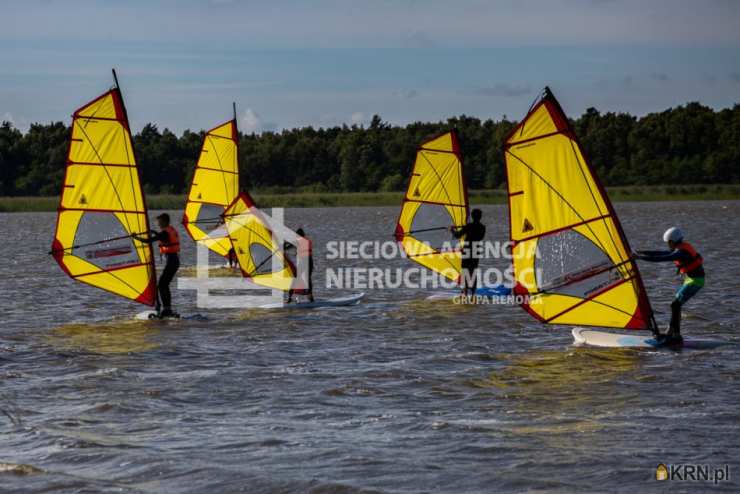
661 473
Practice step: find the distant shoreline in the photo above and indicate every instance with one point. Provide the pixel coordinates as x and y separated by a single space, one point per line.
297 199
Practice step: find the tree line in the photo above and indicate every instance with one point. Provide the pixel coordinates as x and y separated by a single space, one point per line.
684 145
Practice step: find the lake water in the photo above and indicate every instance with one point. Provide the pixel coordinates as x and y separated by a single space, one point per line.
395 395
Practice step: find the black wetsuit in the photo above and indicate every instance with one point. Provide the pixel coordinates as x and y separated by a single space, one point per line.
171 265
474 234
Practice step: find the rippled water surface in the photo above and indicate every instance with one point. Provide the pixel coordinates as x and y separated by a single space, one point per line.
396 394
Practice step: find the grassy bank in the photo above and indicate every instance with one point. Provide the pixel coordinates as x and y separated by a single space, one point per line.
293 199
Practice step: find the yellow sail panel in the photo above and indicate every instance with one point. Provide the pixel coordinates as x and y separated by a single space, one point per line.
436 199
446 142
539 123
571 258
260 257
102 205
215 185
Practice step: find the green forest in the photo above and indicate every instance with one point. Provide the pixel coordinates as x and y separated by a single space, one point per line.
691 144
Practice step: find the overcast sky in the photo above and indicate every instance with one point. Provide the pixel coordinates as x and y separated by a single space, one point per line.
327 62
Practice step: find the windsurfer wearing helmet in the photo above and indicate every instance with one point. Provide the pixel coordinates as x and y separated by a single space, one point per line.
689 264
169 247
474 232
304 257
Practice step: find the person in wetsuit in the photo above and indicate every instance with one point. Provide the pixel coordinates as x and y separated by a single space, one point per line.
474 232
690 264
304 253
169 247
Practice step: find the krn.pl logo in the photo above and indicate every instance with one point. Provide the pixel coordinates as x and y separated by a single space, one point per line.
689 472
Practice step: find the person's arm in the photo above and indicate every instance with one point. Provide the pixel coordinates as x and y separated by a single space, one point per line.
141 237
659 255
459 231
152 237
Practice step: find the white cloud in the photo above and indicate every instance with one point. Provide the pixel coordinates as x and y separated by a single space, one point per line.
8 117
357 118
252 123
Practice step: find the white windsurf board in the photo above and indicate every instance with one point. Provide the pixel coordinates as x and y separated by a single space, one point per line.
330 302
607 339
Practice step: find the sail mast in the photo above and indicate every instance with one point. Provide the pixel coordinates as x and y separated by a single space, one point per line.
143 193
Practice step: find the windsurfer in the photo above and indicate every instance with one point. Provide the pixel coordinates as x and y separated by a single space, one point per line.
474 232
689 263
169 247
231 257
304 254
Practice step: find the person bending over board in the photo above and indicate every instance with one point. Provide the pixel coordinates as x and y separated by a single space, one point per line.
473 232
169 247
304 254
690 264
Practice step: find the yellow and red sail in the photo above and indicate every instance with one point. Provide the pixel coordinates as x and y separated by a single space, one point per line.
436 199
215 185
260 255
571 258
102 205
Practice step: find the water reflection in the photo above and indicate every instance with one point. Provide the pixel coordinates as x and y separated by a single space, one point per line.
106 338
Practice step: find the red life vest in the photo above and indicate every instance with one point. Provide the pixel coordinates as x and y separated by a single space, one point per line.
172 246
695 262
